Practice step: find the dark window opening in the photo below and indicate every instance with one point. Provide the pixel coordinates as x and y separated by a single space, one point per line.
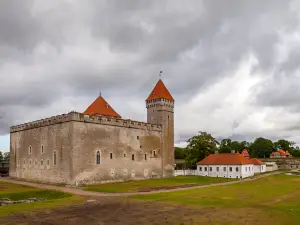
124 155
54 158
132 157
230 169
42 149
205 168
210 168
98 158
145 156
111 155
138 137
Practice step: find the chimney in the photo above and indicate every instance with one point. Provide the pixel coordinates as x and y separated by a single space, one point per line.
216 152
232 151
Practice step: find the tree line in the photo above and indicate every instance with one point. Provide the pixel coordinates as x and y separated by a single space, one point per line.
204 144
4 156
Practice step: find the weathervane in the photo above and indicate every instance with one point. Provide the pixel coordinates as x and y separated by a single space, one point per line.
100 92
160 73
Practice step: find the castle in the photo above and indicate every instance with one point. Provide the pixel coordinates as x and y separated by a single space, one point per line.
98 145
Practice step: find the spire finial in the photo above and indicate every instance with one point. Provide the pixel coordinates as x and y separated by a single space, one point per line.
160 74
100 93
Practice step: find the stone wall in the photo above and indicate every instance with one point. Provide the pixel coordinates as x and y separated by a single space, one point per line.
125 153
33 151
285 163
75 139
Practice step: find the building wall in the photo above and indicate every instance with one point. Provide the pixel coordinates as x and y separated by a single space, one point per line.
123 143
236 171
75 139
32 153
259 168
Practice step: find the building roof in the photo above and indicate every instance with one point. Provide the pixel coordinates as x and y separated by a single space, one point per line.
245 153
101 107
281 152
225 159
256 161
160 91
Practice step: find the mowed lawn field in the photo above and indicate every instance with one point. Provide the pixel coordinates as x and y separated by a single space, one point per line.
20 192
270 200
155 184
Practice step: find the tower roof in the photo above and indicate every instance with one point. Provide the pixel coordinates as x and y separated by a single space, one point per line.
100 106
160 91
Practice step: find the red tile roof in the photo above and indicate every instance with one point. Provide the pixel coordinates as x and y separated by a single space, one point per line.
256 161
282 152
225 159
245 153
101 107
160 91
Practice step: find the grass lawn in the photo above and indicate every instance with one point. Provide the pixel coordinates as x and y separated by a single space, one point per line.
155 184
270 200
21 192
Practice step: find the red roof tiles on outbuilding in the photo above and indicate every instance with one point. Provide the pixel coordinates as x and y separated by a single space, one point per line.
225 159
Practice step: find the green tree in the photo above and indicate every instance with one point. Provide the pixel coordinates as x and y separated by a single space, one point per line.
225 146
6 155
261 148
1 156
199 147
285 145
179 153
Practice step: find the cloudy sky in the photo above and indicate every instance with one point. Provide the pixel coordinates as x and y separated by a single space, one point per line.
232 66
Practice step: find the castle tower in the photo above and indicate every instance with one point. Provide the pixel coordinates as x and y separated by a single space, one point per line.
160 111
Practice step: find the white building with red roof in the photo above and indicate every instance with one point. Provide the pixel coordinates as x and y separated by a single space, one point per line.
228 165
259 166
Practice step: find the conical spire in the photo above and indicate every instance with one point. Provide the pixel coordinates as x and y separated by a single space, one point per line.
160 91
101 107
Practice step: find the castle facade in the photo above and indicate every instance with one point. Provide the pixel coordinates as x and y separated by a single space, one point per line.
97 145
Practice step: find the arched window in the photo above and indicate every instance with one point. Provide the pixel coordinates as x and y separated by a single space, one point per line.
98 158
54 158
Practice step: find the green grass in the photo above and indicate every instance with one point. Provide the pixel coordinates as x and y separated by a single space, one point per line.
276 197
20 192
144 185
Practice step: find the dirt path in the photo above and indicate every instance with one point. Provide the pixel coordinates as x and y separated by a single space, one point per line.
81 192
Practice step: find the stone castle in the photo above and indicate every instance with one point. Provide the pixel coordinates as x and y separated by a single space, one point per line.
98 145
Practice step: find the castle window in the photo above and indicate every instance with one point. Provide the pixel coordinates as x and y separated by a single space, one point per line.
124 155
111 155
54 158
30 149
30 162
42 162
138 137
98 158
42 150
48 162
132 157
154 153
140 146
145 156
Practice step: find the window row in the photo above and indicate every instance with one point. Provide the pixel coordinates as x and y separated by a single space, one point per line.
98 156
30 149
41 162
218 169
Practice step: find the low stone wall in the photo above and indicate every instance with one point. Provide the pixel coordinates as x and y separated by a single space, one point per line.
185 172
284 163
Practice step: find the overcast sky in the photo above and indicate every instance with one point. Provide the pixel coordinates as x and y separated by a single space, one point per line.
232 66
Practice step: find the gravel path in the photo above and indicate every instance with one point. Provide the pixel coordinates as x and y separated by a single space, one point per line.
78 191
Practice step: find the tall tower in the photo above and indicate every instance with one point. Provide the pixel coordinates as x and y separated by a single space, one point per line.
160 111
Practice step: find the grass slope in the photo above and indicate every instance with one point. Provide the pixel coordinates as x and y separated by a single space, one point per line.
274 199
164 183
20 192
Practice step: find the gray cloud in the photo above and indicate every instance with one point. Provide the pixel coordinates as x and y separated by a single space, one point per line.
62 50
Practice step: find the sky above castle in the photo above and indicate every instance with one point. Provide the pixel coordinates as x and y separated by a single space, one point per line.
232 66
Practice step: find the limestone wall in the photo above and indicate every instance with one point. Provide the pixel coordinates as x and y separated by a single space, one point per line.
117 147
33 152
75 138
